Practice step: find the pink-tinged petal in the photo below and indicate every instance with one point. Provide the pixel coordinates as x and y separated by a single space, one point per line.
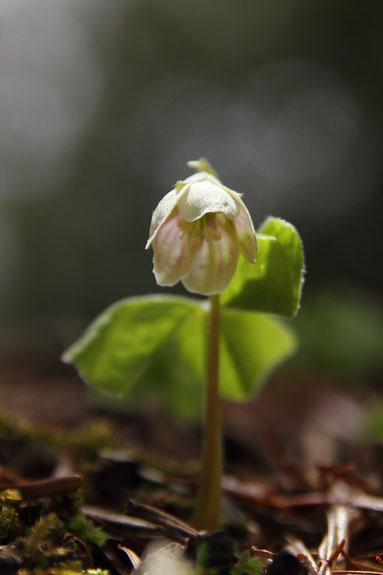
173 251
244 229
163 211
206 195
213 265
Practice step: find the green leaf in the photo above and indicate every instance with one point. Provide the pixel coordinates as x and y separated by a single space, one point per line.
289 238
252 345
273 283
157 345
120 345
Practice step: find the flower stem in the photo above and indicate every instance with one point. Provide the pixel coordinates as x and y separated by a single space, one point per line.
209 495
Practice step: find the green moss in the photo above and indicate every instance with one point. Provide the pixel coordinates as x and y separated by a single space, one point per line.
244 565
10 497
62 571
248 565
10 525
50 546
89 438
42 545
84 529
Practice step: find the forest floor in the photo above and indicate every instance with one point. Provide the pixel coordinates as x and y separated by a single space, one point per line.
90 489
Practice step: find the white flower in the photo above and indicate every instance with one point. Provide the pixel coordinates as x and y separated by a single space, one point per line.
197 232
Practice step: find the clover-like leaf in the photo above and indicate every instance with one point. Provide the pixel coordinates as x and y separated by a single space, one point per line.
119 347
252 344
157 345
289 238
273 283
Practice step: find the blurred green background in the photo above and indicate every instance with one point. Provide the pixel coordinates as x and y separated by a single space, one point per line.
102 102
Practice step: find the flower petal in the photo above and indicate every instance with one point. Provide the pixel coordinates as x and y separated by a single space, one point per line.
206 195
163 211
213 265
173 251
201 177
244 229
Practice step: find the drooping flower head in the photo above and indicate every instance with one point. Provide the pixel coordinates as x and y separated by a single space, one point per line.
198 231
